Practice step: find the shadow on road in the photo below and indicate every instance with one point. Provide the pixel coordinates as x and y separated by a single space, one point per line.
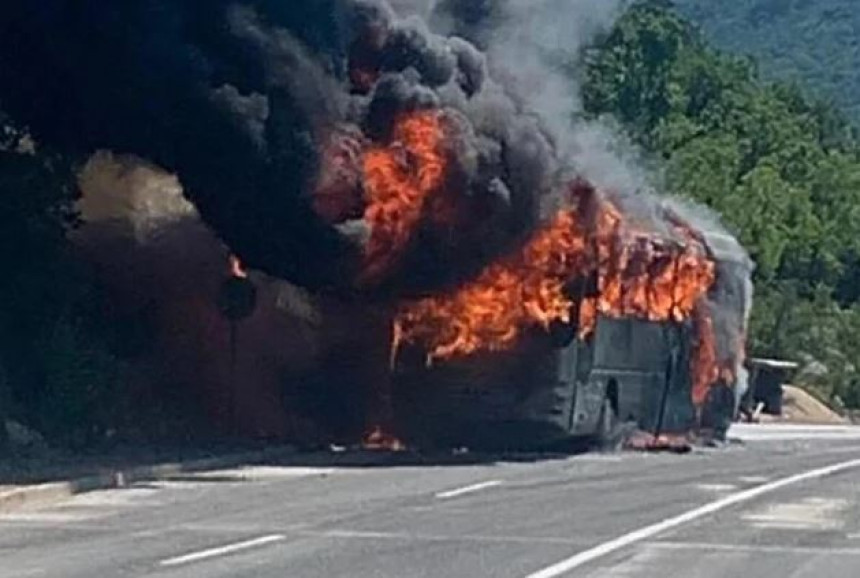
91 470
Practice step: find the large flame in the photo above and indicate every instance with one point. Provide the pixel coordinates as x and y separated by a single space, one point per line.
704 367
398 180
639 274
527 289
630 268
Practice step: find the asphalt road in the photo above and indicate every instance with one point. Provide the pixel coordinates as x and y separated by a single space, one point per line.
784 503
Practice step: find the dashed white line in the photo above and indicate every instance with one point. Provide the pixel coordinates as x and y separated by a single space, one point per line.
648 532
753 479
222 550
468 489
717 488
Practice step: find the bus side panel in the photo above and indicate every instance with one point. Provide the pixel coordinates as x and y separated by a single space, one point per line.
636 363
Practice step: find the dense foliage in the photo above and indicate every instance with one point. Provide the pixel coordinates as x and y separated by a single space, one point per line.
812 42
56 374
783 170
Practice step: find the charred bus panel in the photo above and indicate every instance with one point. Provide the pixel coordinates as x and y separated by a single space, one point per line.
730 302
494 399
541 394
642 369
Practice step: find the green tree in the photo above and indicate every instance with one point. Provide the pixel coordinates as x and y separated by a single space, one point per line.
55 372
782 170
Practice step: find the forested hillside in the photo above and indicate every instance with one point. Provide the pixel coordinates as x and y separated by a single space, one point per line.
782 170
814 42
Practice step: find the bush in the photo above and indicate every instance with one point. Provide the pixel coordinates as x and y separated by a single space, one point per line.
80 401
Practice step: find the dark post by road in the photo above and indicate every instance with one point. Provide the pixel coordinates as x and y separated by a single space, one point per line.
236 301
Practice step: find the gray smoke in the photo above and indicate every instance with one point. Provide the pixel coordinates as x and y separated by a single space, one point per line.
536 47
160 269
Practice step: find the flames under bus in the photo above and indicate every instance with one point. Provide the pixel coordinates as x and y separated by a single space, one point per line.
556 387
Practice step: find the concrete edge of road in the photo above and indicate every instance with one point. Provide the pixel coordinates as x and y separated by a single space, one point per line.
35 495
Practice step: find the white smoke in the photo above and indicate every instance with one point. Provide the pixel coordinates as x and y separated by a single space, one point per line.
134 196
538 46
535 48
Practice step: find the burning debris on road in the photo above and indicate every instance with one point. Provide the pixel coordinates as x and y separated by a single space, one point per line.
344 146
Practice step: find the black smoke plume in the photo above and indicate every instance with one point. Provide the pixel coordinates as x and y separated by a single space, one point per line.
239 97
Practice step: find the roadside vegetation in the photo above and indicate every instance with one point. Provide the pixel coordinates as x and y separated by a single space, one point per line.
781 168
56 372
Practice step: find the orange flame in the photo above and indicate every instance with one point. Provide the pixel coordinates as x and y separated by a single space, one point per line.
489 313
704 367
639 274
635 271
379 440
398 179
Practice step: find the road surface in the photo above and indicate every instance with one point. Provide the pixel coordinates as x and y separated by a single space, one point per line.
784 503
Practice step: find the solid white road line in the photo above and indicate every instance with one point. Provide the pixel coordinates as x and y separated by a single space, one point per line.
648 532
793 432
459 538
468 489
222 550
756 549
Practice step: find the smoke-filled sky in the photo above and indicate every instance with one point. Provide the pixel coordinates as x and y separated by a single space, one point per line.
243 99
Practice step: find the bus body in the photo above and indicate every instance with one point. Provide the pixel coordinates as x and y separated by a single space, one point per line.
550 388
546 392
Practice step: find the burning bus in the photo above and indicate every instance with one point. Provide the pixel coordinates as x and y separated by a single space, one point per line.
616 325
362 151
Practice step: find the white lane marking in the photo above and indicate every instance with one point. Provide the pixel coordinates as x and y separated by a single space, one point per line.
31 572
263 473
50 517
647 532
755 548
222 550
408 537
468 489
753 479
786 432
113 498
716 488
807 514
